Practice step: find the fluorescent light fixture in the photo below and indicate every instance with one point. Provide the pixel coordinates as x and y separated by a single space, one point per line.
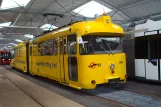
18 40
5 24
9 46
91 9
47 27
13 44
29 36
6 4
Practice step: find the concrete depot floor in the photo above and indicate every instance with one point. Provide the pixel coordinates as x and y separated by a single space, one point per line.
70 93
11 96
16 91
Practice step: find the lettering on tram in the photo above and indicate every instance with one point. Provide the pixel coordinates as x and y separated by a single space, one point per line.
47 64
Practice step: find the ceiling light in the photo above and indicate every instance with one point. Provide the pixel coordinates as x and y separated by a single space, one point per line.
48 26
5 24
18 40
9 46
91 9
6 4
13 44
29 36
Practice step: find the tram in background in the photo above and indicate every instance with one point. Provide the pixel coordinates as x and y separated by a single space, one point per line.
5 57
80 55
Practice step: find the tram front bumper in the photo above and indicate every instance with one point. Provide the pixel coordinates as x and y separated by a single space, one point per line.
115 80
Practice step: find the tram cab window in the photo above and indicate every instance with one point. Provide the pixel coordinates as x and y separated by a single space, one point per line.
55 46
99 45
72 47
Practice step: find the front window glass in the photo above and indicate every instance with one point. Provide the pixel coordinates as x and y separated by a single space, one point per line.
99 45
6 55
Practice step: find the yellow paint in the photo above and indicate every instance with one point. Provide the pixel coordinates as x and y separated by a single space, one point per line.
20 57
101 73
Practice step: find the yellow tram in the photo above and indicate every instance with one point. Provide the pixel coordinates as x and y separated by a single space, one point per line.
80 55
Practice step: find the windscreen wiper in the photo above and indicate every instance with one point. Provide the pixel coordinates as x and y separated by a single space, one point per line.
102 48
121 41
107 46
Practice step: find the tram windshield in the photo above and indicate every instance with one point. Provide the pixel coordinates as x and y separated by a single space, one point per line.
6 55
0 55
99 45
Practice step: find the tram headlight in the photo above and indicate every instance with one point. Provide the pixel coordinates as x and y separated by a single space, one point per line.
9 59
112 66
3 59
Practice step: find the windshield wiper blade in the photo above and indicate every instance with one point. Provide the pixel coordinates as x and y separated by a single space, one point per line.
120 43
107 46
102 47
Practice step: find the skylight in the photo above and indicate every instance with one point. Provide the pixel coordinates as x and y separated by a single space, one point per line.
29 36
6 4
5 24
47 27
18 40
91 9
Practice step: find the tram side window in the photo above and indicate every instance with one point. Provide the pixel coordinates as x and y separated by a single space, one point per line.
65 46
61 46
41 49
141 47
34 49
72 47
14 52
55 46
48 47
159 44
20 51
17 52
45 48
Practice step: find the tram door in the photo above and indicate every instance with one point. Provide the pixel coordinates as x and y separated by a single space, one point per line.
153 61
63 57
30 58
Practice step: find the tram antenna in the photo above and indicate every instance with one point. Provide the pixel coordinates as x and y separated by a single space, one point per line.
102 6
